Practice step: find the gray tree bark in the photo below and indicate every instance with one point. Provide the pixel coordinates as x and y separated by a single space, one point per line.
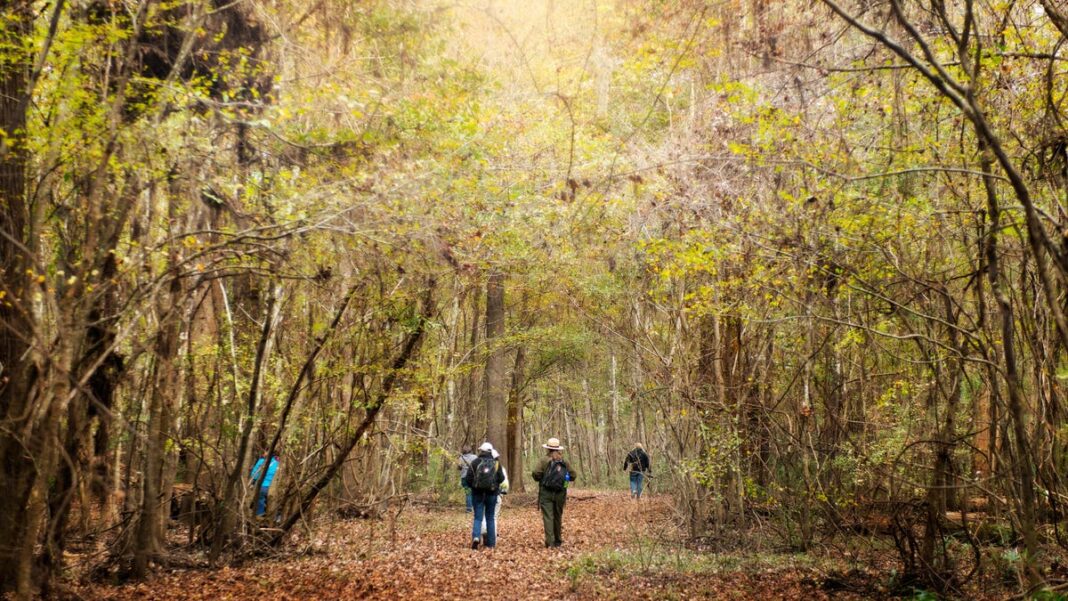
496 391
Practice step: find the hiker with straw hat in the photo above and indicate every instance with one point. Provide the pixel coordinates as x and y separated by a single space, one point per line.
553 475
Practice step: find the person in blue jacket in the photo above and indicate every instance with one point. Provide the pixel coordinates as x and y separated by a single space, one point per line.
261 497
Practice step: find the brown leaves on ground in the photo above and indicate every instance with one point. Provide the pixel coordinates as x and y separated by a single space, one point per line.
608 544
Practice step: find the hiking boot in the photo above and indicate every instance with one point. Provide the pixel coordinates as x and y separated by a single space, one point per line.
474 545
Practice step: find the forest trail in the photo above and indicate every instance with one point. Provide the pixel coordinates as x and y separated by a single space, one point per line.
792 247
612 549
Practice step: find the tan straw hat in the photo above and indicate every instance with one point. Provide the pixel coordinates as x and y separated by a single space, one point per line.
553 444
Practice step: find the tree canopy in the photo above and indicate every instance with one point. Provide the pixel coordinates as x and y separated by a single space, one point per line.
813 254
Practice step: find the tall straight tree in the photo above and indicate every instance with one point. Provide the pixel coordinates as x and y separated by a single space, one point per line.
16 372
515 421
496 390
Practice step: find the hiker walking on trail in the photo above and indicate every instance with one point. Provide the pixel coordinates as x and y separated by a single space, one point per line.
500 501
637 463
554 475
464 465
257 469
484 479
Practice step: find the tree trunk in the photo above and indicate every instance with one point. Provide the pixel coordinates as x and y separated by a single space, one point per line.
147 542
1017 409
515 422
593 466
18 378
496 393
470 411
612 442
102 368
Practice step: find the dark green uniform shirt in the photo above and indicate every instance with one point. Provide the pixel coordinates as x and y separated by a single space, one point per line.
543 464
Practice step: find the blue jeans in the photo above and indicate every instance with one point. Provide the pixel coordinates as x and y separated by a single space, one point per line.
467 494
636 483
261 501
485 506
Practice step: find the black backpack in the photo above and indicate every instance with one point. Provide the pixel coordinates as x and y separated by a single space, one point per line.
634 461
485 478
553 478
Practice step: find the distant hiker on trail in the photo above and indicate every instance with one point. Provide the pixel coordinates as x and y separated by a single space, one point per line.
484 479
500 501
637 463
261 497
553 475
464 465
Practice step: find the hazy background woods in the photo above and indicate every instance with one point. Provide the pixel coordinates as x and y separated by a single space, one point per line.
812 254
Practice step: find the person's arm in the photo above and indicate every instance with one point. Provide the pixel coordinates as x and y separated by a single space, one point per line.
539 470
255 473
570 471
502 480
468 480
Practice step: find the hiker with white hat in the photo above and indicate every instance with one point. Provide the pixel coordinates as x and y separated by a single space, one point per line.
485 478
553 474
500 501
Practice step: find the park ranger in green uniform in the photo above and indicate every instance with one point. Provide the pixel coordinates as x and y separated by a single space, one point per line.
553 474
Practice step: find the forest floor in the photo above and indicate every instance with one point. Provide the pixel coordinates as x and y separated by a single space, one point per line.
614 548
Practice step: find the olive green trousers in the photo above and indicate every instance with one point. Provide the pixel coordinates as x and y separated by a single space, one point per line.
552 514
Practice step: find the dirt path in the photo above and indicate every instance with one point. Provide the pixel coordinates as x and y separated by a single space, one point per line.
610 551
